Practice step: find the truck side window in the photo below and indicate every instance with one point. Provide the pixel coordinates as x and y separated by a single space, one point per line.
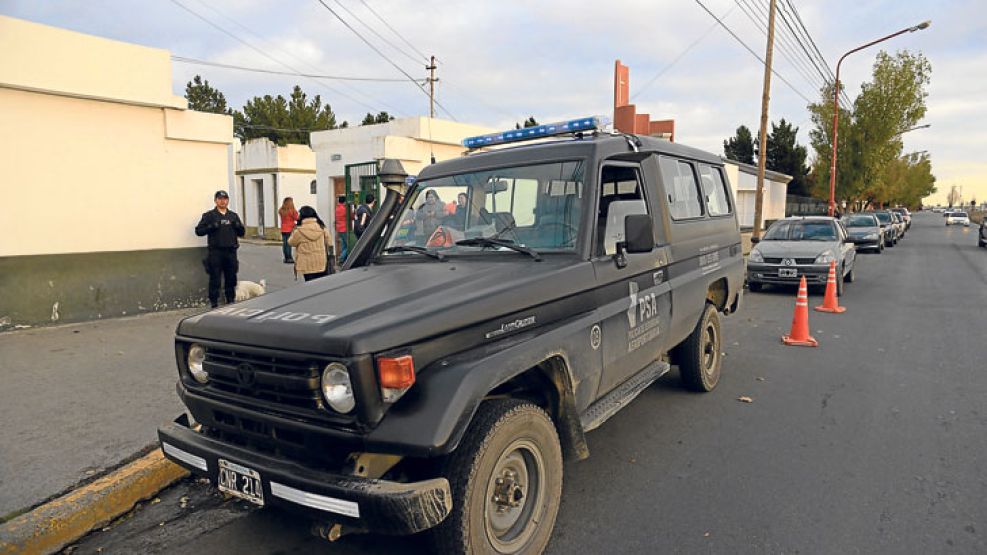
681 188
621 194
714 188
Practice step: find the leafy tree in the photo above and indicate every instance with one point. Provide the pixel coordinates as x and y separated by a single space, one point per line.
382 117
740 147
203 98
870 136
283 120
530 122
785 155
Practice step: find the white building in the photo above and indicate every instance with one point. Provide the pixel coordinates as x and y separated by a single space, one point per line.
106 173
412 140
743 180
267 173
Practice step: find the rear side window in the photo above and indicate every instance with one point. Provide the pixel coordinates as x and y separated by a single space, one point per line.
715 190
681 188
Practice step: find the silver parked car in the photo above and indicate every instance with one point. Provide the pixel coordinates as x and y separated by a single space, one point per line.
802 246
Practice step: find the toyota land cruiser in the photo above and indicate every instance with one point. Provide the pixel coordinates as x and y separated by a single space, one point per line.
496 309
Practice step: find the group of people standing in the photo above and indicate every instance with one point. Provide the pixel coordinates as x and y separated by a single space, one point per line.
301 229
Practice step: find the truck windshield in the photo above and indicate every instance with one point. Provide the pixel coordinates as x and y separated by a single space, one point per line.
537 207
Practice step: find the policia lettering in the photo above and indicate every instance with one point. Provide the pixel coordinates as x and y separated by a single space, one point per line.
643 326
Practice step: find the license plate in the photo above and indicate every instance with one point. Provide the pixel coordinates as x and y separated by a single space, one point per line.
788 272
240 481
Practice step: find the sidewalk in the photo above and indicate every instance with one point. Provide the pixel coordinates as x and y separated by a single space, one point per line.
78 399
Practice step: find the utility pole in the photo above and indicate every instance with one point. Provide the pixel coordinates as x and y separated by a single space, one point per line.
431 87
763 135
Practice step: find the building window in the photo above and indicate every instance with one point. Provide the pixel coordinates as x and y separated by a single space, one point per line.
313 187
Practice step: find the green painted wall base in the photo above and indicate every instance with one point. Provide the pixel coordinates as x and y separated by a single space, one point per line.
270 233
59 288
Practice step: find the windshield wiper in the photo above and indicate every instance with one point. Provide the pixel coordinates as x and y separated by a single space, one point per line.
420 250
493 242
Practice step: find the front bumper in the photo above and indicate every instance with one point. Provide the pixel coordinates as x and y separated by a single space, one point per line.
867 243
815 274
378 506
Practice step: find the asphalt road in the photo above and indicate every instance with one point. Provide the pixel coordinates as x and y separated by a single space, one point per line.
875 442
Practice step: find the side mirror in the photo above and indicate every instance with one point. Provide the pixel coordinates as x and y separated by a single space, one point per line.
755 240
639 230
639 237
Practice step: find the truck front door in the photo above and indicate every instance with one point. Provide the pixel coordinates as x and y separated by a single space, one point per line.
635 300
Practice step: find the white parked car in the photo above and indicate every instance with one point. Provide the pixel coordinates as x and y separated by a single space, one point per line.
957 217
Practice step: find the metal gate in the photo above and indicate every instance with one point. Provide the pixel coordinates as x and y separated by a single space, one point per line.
360 179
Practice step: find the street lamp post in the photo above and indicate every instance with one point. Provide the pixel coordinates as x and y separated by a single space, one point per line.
836 106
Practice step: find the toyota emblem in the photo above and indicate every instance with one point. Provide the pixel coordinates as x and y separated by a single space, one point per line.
245 375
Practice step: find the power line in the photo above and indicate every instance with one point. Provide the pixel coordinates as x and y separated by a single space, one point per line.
382 55
789 50
681 55
815 47
195 61
276 48
262 53
748 48
393 30
781 46
378 35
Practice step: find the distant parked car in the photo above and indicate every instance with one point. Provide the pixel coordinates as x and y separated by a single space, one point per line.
947 212
905 215
957 218
802 246
900 224
887 225
865 231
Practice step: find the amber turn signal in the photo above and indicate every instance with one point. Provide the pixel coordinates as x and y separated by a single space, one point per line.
396 372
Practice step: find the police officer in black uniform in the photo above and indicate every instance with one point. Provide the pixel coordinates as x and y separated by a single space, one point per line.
223 226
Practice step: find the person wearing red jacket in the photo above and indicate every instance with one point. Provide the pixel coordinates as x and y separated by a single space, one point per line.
341 226
288 216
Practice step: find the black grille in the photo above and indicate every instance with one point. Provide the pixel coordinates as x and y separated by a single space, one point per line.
799 261
272 440
280 380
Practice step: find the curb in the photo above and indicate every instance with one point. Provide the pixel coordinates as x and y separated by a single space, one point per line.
61 521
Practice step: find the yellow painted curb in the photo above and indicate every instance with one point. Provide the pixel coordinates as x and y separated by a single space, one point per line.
62 521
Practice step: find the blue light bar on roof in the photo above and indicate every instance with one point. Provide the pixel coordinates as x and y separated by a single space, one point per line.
536 132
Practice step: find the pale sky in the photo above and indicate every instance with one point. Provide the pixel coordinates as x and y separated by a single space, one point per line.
501 61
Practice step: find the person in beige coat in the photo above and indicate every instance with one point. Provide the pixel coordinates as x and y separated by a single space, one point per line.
313 245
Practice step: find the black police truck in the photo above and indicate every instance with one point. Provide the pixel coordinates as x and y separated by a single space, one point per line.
497 308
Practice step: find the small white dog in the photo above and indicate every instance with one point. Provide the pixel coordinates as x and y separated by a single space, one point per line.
249 289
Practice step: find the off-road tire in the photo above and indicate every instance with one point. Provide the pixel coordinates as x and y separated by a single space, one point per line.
699 356
497 429
755 286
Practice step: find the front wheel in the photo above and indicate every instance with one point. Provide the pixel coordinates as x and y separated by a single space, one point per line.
851 276
506 482
699 355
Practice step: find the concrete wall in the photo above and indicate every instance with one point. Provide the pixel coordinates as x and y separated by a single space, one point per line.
99 158
411 140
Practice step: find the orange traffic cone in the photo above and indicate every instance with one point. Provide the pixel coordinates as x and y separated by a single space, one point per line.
799 335
830 304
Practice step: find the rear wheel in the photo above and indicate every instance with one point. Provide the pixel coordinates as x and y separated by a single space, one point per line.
699 355
506 482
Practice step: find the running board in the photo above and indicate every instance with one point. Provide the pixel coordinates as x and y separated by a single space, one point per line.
608 405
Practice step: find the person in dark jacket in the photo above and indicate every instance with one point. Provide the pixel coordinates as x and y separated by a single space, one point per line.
222 226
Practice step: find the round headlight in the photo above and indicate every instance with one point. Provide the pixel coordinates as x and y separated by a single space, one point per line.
337 389
196 355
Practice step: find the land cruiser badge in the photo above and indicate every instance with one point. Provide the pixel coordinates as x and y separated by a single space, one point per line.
508 327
